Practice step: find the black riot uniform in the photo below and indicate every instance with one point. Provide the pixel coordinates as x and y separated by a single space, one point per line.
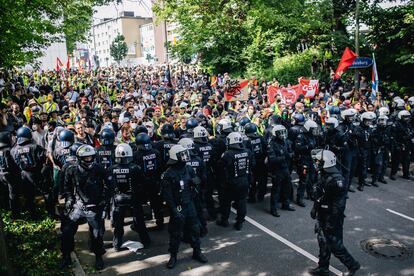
178 183
149 160
403 137
257 145
164 145
30 158
128 191
205 151
86 192
330 201
381 148
304 143
238 162
105 155
348 145
363 133
9 176
279 156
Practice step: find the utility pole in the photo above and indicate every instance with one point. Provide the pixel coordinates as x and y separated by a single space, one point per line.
166 41
357 42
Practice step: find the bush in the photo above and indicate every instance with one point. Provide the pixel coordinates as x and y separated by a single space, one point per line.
32 246
289 68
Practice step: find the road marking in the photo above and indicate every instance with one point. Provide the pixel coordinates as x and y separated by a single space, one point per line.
399 214
288 243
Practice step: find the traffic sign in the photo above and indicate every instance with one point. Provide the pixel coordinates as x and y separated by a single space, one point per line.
361 62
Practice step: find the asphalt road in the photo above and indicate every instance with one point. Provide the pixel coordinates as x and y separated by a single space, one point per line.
277 246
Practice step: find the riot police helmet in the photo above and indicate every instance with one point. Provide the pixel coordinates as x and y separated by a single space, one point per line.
311 127
140 129
382 120
349 114
191 124
178 153
250 129
86 156
368 118
5 141
411 101
200 134
24 134
224 126
325 158
188 143
167 132
66 138
107 137
143 141
298 118
123 154
234 140
383 111
331 123
280 132
74 148
404 115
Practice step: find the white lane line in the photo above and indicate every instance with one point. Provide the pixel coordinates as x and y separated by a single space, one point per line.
288 243
399 214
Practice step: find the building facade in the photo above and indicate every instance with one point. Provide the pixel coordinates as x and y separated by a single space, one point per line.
103 33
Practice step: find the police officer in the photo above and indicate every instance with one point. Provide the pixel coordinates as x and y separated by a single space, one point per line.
30 158
298 121
403 136
329 207
205 151
9 176
199 168
105 153
126 179
257 146
304 143
381 146
331 135
177 184
348 144
279 155
238 162
60 155
149 160
86 193
189 128
223 128
363 133
164 145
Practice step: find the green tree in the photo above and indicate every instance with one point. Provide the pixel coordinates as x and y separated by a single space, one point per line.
29 27
119 48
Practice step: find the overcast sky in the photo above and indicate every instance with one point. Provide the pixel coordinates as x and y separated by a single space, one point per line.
140 7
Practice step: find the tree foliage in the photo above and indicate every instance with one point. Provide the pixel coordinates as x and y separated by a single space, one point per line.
27 27
254 36
119 48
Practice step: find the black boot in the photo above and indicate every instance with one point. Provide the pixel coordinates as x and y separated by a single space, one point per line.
351 271
288 208
392 177
238 226
198 256
374 183
360 187
319 271
173 261
222 223
383 181
99 264
275 213
65 262
300 203
351 189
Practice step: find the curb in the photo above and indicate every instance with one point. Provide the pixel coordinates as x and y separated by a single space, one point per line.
77 267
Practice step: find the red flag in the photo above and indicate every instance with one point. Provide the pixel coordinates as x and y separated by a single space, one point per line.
239 93
68 64
347 59
58 64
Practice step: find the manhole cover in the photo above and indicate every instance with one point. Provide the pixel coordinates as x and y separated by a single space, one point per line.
386 249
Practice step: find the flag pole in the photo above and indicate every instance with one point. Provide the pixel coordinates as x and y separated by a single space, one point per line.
357 42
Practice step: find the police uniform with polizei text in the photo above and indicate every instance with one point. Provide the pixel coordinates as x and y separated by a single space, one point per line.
238 162
86 192
30 158
330 194
149 160
105 155
177 186
126 179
